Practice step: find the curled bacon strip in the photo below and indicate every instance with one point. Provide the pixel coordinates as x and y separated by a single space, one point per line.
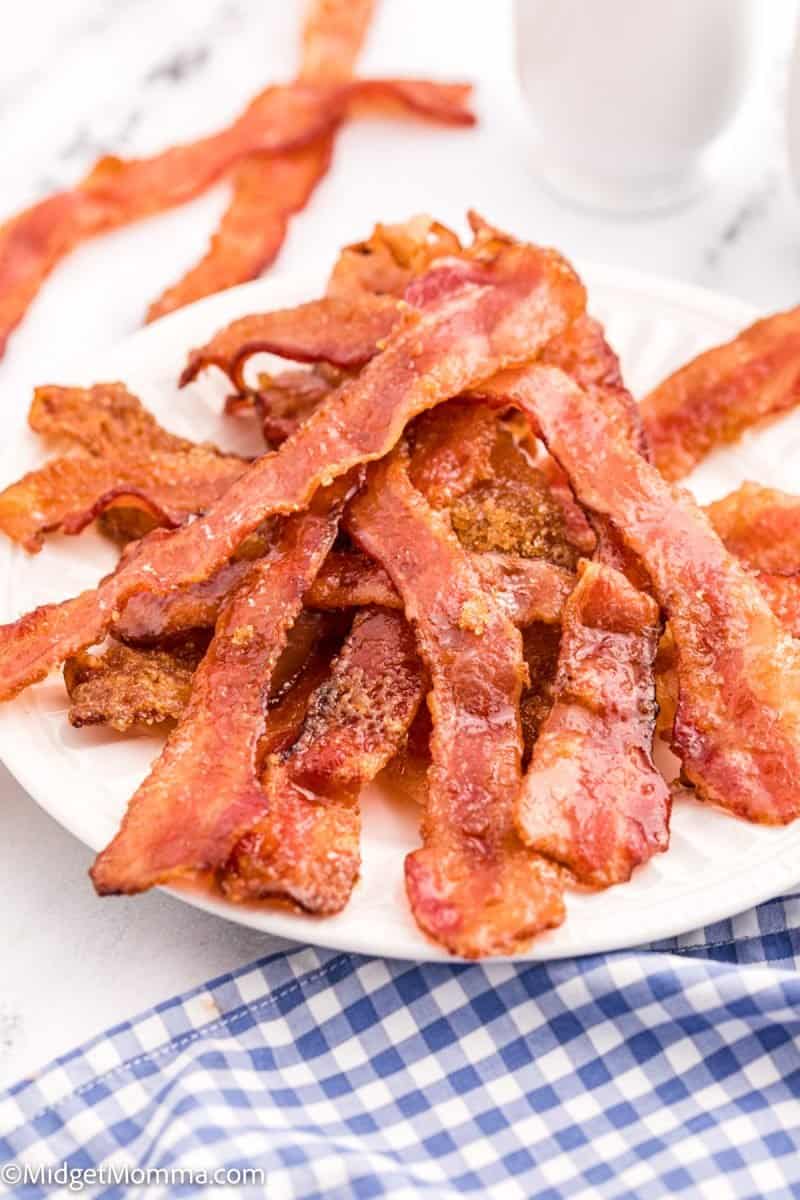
479 316
473 886
306 846
737 727
592 799
393 255
69 493
203 791
718 395
284 401
329 330
117 192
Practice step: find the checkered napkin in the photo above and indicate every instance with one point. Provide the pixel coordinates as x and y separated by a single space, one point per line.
675 1069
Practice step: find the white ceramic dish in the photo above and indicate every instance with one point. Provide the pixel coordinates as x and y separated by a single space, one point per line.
716 865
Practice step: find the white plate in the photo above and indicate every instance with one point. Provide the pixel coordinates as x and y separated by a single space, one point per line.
716 865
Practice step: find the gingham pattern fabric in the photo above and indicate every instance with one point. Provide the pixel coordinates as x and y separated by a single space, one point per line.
674 1070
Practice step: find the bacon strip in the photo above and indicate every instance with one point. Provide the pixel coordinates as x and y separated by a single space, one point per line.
333 34
593 799
69 493
284 401
328 330
761 526
480 315
737 728
266 190
203 791
720 394
104 419
473 886
116 192
306 847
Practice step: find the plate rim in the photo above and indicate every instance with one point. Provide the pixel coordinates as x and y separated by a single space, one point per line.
283 923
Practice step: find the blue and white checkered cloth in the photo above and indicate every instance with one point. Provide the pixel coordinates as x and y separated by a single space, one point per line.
672 1070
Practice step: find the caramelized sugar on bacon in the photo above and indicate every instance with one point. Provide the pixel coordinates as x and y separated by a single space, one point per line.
473 886
493 309
592 798
540 648
203 791
737 726
761 526
105 420
67 494
306 846
718 395
126 688
326 330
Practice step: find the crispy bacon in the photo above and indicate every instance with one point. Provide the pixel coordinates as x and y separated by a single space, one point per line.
720 394
267 190
481 314
333 33
116 192
592 798
125 687
473 886
284 401
306 846
203 791
328 330
69 493
761 526
737 728
105 419
393 255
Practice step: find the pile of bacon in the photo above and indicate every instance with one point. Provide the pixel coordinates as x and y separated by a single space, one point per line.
463 551
273 155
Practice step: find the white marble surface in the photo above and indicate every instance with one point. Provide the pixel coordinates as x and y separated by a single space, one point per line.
92 76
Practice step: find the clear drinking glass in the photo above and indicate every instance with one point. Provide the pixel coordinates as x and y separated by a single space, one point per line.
627 96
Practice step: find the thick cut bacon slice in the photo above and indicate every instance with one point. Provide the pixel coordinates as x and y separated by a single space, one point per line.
203 791
592 798
473 886
125 687
479 316
761 526
267 191
306 846
69 493
718 395
105 420
326 330
737 727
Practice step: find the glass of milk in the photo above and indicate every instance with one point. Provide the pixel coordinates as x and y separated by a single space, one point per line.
627 96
